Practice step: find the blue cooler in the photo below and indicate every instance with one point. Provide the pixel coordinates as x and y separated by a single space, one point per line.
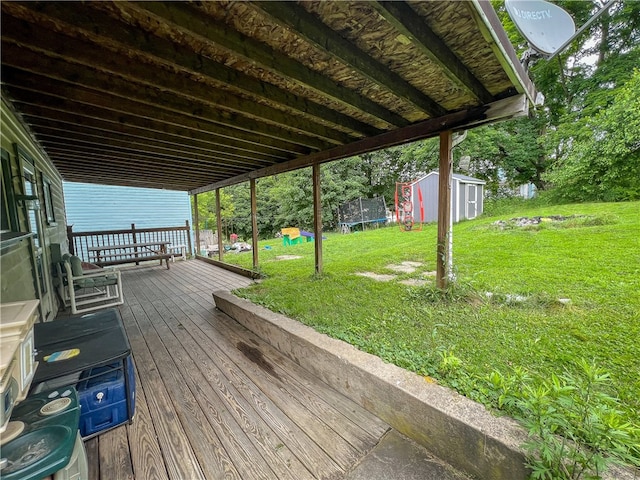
103 398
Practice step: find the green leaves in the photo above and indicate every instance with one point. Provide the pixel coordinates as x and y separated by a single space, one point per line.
575 424
604 162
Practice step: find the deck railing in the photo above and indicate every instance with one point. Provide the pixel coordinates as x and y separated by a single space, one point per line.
80 242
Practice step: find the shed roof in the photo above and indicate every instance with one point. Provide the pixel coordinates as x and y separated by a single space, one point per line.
455 176
193 96
467 179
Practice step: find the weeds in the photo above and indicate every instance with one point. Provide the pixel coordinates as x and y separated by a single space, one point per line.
550 222
455 292
575 425
449 363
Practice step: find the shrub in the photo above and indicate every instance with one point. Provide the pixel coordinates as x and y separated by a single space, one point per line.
575 426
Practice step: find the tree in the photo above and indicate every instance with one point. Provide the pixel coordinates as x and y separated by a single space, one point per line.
240 222
207 209
578 83
603 162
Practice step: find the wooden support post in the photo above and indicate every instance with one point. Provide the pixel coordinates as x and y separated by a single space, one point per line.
72 247
254 223
133 236
317 218
444 208
189 246
196 220
219 225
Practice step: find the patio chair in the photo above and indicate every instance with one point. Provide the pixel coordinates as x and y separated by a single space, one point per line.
87 290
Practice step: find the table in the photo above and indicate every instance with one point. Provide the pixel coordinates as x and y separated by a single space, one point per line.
179 249
131 252
99 336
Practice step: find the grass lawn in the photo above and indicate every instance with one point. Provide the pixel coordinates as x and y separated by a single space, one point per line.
461 338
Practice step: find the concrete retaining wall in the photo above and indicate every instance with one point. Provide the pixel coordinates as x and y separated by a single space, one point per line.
456 429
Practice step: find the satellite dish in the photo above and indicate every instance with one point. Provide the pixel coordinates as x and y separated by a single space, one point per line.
544 25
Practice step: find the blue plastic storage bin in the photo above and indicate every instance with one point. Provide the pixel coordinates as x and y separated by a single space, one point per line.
103 399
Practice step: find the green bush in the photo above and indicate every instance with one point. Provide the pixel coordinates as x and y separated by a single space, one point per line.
575 425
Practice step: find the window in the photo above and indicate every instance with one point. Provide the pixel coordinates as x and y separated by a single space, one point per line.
31 205
9 213
31 190
50 216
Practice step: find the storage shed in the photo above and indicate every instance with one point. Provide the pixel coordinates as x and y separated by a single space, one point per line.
467 197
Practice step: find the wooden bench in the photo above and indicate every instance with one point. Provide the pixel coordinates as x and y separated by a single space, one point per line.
105 255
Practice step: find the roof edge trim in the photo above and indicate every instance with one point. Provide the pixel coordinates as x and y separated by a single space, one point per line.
495 33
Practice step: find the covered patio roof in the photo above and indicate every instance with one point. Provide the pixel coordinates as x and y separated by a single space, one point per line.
196 96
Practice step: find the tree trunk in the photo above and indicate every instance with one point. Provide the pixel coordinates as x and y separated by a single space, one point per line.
603 47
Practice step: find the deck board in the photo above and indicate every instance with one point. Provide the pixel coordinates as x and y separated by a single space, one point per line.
115 459
214 400
178 455
212 384
259 415
146 455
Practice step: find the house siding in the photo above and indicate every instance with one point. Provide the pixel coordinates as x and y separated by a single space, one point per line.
17 281
17 262
93 207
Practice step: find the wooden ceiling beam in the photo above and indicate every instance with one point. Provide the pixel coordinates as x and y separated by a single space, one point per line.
90 159
151 103
89 135
496 36
125 116
85 164
176 93
291 15
135 146
80 147
511 107
37 116
69 167
405 20
70 19
128 181
195 21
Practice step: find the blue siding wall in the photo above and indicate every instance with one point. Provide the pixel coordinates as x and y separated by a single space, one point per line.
105 207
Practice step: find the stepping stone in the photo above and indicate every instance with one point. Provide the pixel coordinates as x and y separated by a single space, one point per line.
376 276
288 257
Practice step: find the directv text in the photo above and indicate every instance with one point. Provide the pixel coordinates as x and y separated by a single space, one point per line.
532 14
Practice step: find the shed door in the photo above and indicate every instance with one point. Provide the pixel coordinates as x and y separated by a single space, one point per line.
472 203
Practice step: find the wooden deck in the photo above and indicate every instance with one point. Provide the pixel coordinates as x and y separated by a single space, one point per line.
214 401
